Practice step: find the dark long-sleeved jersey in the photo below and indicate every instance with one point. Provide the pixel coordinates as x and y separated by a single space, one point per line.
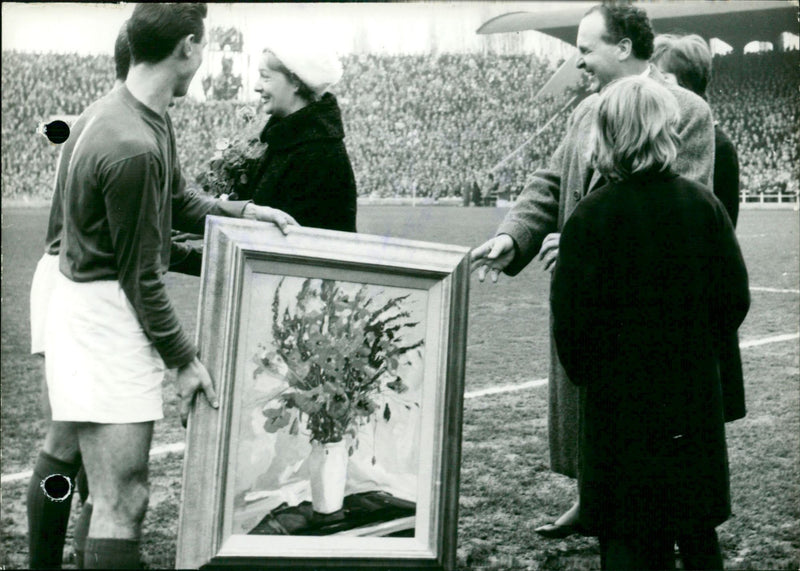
121 190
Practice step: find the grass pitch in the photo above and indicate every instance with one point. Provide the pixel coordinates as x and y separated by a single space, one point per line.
506 487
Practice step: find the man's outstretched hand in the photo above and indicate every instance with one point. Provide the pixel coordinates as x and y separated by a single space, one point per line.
493 256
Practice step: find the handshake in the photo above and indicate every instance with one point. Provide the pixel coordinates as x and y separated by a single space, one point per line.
496 254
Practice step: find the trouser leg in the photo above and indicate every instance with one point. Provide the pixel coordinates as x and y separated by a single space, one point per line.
637 552
700 550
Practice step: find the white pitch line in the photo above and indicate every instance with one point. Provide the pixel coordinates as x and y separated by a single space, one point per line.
505 389
775 290
179 446
157 451
767 340
11 478
168 449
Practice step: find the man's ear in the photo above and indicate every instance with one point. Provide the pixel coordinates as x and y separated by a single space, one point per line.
625 49
187 46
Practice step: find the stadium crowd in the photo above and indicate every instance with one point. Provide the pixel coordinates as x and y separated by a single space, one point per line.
36 86
756 99
428 126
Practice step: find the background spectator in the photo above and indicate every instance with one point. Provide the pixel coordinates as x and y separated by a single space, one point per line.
414 124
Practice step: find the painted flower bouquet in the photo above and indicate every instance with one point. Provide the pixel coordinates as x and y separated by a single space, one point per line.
229 171
338 353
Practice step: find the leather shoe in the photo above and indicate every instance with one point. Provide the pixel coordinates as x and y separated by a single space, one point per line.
554 531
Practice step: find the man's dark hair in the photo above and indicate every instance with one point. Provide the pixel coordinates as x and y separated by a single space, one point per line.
155 29
625 21
122 53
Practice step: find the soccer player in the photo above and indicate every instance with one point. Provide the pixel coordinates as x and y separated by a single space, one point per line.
111 329
60 458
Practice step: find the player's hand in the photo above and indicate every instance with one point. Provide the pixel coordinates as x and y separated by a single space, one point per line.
193 378
267 214
549 252
493 256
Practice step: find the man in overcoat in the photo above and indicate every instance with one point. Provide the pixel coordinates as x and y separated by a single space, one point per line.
614 41
687 60
650 280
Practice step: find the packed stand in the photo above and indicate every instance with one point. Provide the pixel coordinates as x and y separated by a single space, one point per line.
36 86
756 99
425 126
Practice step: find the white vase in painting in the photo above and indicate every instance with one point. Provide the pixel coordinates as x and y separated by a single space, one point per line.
327 467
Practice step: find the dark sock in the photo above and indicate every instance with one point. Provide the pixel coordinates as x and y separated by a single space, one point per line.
111 554
80 533
48 510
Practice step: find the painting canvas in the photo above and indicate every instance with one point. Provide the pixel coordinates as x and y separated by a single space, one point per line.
339 362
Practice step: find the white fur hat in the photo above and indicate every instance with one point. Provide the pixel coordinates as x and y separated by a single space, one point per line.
317 66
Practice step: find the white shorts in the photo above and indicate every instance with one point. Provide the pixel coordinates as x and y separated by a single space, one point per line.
41 289
101 367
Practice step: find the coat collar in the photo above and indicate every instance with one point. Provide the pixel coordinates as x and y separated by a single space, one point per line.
649 176
318 120
653 174
654 73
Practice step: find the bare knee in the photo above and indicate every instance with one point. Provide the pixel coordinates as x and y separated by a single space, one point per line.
119 508
116 457
130 504
61 442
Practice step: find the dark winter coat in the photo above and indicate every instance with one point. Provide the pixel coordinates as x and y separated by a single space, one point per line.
305 170
726 188
549 198
649 280
726 173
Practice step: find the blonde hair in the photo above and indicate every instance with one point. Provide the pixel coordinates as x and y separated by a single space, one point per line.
635 128
688 57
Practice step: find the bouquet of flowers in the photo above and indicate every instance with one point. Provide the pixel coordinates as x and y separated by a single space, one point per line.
229 172
337 353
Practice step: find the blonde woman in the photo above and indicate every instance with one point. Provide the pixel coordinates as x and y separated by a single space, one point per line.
649 279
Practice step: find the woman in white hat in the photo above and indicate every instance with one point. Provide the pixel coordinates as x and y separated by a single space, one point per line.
305 170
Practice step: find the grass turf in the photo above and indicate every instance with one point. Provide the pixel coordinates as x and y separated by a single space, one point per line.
506 487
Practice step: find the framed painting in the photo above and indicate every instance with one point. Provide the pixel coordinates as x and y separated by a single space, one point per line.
338 359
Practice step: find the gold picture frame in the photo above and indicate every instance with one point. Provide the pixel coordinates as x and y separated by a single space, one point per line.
321 341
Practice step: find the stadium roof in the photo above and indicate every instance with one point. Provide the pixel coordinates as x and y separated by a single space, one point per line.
736 23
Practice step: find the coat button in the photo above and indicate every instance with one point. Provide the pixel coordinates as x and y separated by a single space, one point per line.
576 195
